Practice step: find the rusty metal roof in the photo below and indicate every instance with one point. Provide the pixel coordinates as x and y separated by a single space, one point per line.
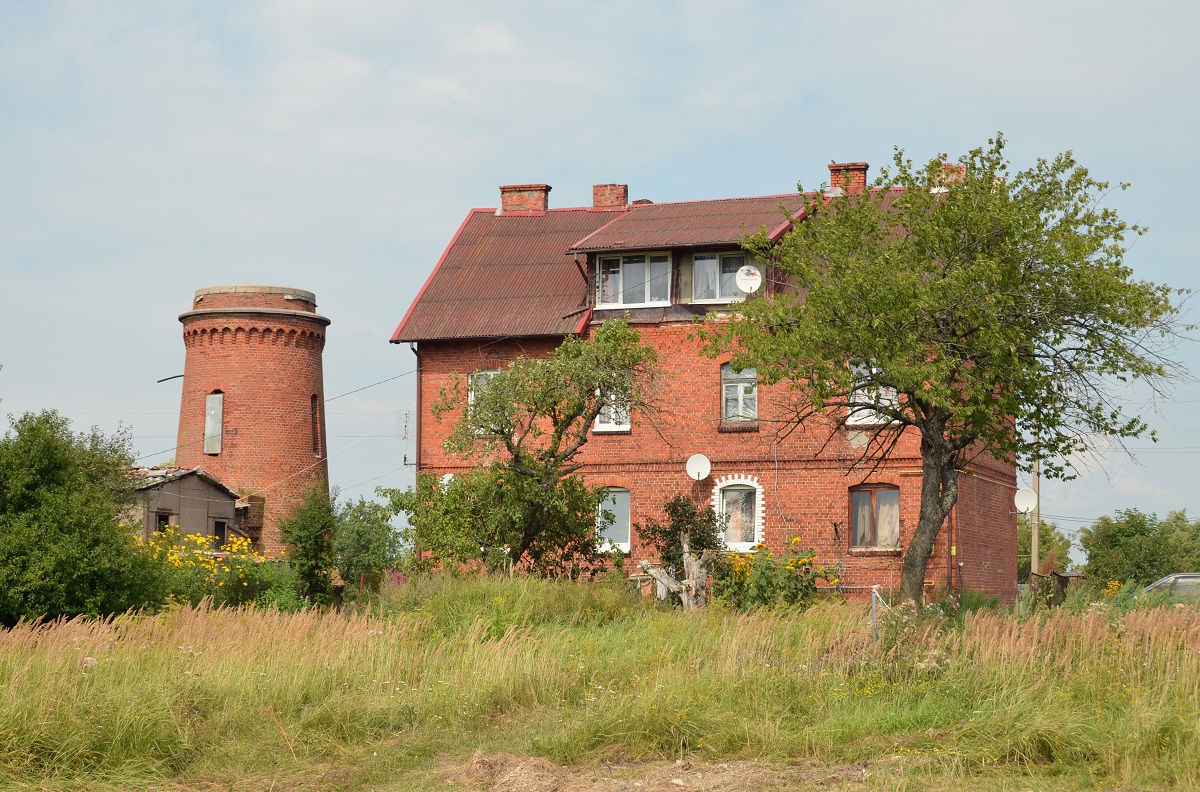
505 275
689 224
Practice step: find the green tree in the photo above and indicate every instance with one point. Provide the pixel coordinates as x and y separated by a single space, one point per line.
364 544
63 549
308 534
1050 540
704 527
1132 546
985 310
522 502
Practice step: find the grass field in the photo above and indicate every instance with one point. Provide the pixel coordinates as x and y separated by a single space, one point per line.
596 679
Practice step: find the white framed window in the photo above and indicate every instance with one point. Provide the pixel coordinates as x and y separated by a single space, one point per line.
739 394
739 501
613 415
214 422
875 517
714 277
636 279
612 520
476 381
869 393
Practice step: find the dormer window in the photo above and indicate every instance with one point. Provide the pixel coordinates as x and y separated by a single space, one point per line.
634 280
714 277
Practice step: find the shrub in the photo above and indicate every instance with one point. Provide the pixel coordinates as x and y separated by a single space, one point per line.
760 580
308 533
364 545
63 549
235 574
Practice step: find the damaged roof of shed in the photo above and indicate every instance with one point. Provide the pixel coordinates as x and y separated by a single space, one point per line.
147 477
505 275
691 223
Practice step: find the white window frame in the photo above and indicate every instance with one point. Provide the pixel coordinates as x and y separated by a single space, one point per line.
873 491
214 422
738 380
741 483
482 376
625 546
884 397
613 417
735 296
620 261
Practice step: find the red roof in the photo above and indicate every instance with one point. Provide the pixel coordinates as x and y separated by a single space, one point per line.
505 275
691 223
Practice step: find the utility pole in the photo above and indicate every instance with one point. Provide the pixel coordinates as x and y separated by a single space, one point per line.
1034 518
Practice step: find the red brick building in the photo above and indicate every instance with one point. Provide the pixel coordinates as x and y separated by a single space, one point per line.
515 281
252 413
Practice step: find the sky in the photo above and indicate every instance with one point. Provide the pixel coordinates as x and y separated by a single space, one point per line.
150 149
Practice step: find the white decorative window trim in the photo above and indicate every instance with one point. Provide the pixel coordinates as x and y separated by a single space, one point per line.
760 509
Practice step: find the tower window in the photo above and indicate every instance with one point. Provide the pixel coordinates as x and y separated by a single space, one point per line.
214 419
315 410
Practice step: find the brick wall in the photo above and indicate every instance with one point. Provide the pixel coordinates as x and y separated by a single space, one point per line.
803 479
264 354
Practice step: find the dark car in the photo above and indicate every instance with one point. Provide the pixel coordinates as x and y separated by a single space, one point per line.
1183 585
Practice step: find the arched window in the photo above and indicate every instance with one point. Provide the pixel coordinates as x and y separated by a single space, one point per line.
739 500
875 516
315 412
214 421
612 519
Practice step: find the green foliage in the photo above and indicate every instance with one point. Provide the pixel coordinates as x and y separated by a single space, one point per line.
364 545
761 580
704 527
1134 547
482 516
1050 540
308 533
957 299
522 505
229 576
63 549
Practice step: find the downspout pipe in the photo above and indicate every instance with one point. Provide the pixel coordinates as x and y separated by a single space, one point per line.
417 433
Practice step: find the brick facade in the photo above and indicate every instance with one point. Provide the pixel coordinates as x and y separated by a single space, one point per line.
802 480
261 347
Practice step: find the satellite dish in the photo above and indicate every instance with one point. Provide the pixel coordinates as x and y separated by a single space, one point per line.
1026 500
748 279
698 467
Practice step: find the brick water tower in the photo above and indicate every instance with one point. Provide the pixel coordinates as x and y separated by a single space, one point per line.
252 412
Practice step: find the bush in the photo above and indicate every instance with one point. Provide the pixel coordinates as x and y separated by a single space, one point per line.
760 580
364 545
308 533
235 574
63 548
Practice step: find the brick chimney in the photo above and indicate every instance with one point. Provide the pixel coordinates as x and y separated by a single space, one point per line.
610 196
516 198
850 177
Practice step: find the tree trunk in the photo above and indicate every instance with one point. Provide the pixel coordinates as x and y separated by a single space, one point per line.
693 589
939 492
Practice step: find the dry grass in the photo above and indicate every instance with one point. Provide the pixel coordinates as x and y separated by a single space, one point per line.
577 674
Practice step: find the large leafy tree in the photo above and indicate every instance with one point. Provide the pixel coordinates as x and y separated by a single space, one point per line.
63 549
524 429
1134 546
987 311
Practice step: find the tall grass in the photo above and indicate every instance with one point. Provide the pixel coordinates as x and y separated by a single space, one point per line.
582 673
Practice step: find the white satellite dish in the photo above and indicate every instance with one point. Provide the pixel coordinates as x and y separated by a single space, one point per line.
1026 500
698 467
748 279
